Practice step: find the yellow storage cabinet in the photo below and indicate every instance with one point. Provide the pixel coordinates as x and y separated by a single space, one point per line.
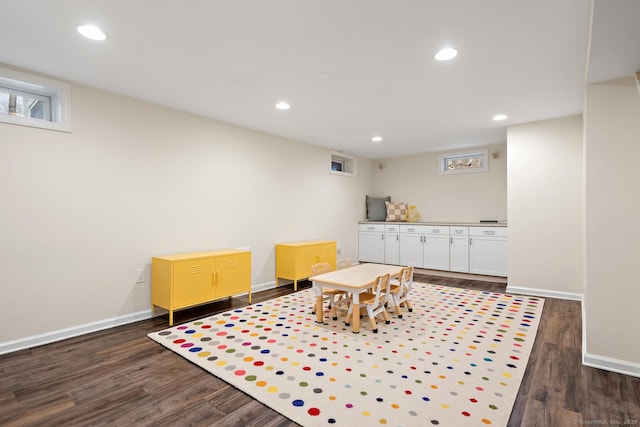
294 259
184 280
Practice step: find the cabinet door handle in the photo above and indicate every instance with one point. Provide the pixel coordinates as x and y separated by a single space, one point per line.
382 235
451 240
397 237
470 241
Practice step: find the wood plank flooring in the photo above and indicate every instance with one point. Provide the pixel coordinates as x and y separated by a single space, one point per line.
119 377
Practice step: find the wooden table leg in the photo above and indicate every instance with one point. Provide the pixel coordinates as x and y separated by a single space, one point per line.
319 307
356 317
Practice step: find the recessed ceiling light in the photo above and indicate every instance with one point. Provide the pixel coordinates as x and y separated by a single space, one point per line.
446 54
499 117
376 139
282 106
92 32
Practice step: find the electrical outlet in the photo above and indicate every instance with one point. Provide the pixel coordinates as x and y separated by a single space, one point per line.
140 275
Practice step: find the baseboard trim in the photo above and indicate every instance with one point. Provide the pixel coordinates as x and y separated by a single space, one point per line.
544 293
74 331
263 286
87 328
610 364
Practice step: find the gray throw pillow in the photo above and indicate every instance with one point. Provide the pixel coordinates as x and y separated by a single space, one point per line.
376 209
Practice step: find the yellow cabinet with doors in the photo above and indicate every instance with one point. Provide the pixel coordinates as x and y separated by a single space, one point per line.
294 259
184 280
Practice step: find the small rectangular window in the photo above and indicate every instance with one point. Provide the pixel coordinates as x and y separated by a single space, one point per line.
471 161
35 101
342 164
24 104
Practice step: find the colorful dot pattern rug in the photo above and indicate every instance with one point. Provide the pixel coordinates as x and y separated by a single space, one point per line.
457 359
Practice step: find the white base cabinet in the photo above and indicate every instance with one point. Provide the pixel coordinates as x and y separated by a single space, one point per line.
488 250
425 246
436 249
371 243
392 244
459 249
411 249
464 249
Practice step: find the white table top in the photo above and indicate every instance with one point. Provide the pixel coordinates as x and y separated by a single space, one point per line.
360 276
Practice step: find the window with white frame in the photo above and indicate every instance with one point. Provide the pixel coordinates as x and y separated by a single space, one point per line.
465 162
342 164
30 100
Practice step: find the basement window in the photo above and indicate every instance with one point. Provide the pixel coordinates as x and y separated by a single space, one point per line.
472 161
341 164
29 100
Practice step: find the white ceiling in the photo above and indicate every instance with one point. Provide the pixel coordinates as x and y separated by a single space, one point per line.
351 69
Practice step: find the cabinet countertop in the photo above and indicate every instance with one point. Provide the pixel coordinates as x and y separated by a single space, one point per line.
459 224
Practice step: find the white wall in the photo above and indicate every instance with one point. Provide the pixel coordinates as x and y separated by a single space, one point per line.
613 209
545 201
465 197
82 211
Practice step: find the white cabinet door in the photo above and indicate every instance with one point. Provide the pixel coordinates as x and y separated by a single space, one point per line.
392 244
459 253
436 251
411 249
488 251
371 246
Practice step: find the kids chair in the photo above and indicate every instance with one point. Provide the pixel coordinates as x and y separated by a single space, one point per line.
399 290
373 302
334 296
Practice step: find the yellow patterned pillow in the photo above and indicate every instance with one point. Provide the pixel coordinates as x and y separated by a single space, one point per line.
396 212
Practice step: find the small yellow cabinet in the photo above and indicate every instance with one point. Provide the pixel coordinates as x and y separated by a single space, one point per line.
294 260
184 280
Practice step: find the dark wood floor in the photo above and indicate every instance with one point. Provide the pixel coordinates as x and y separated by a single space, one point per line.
121 377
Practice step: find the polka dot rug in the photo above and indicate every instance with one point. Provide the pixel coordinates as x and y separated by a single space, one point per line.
457 359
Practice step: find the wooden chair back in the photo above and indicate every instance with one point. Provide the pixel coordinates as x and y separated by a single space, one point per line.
406 280
381 289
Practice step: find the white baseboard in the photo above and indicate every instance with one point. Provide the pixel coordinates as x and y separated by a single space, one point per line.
591 360
74 331
603 362
610 364
544 293
263 286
